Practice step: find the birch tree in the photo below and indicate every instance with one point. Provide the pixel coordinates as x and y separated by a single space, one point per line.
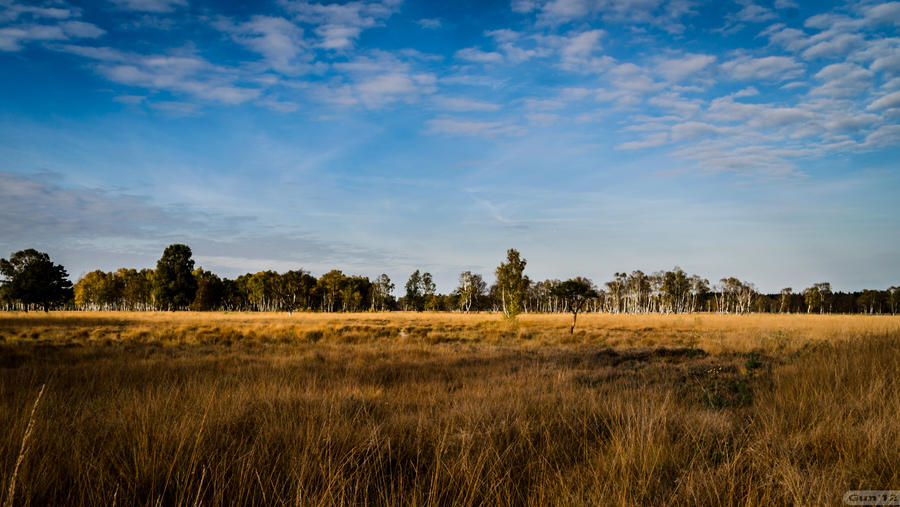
512 284
471 286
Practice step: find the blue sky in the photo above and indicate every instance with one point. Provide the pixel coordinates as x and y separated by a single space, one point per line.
751 139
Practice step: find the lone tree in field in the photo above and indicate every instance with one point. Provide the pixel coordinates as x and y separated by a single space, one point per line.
512 284
174 285
32 280
574 294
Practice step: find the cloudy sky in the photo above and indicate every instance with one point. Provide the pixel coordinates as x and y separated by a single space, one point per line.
753 139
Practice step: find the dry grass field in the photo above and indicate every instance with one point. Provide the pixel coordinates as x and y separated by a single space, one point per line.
401 408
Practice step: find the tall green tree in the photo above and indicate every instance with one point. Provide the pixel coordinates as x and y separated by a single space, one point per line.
413 291
32 280
575 294
512 284
430 300
174 285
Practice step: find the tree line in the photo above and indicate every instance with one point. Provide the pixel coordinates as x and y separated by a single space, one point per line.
31 281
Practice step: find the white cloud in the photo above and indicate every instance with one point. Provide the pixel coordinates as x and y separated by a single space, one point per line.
838 46
386 88
650 141
478 56
105 54
149 5
633 78
753 13
358 13
890 100
377 81
542 119
523 6
503 35
887 64
279 105
339 25
788 38
843 80
779 68
768 117
13 10
729 155
887 135
842 122
463 127
830 21
429 23
278 40
465 104
180 73
536 104
560 11
678 69
695 130
15 37
884 14
337 36
676 104
664 14
80 29
580 46
794 84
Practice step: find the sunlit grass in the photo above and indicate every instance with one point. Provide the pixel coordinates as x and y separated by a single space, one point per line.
405 408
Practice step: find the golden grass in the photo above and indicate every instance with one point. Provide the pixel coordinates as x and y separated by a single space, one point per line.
711 332
406 408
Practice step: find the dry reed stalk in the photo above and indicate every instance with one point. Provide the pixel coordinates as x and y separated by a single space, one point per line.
11 492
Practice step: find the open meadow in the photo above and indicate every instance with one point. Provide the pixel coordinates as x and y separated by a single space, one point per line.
446 408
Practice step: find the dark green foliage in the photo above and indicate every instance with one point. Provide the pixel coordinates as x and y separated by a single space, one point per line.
574 294
174 285
33 281
210 291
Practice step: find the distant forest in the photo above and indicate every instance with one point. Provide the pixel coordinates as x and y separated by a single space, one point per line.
31 281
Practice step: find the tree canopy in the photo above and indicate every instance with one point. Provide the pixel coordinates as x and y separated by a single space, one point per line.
174 284
575 294
512 284
32 280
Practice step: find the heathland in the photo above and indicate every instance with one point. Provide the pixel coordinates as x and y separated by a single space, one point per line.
446 408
